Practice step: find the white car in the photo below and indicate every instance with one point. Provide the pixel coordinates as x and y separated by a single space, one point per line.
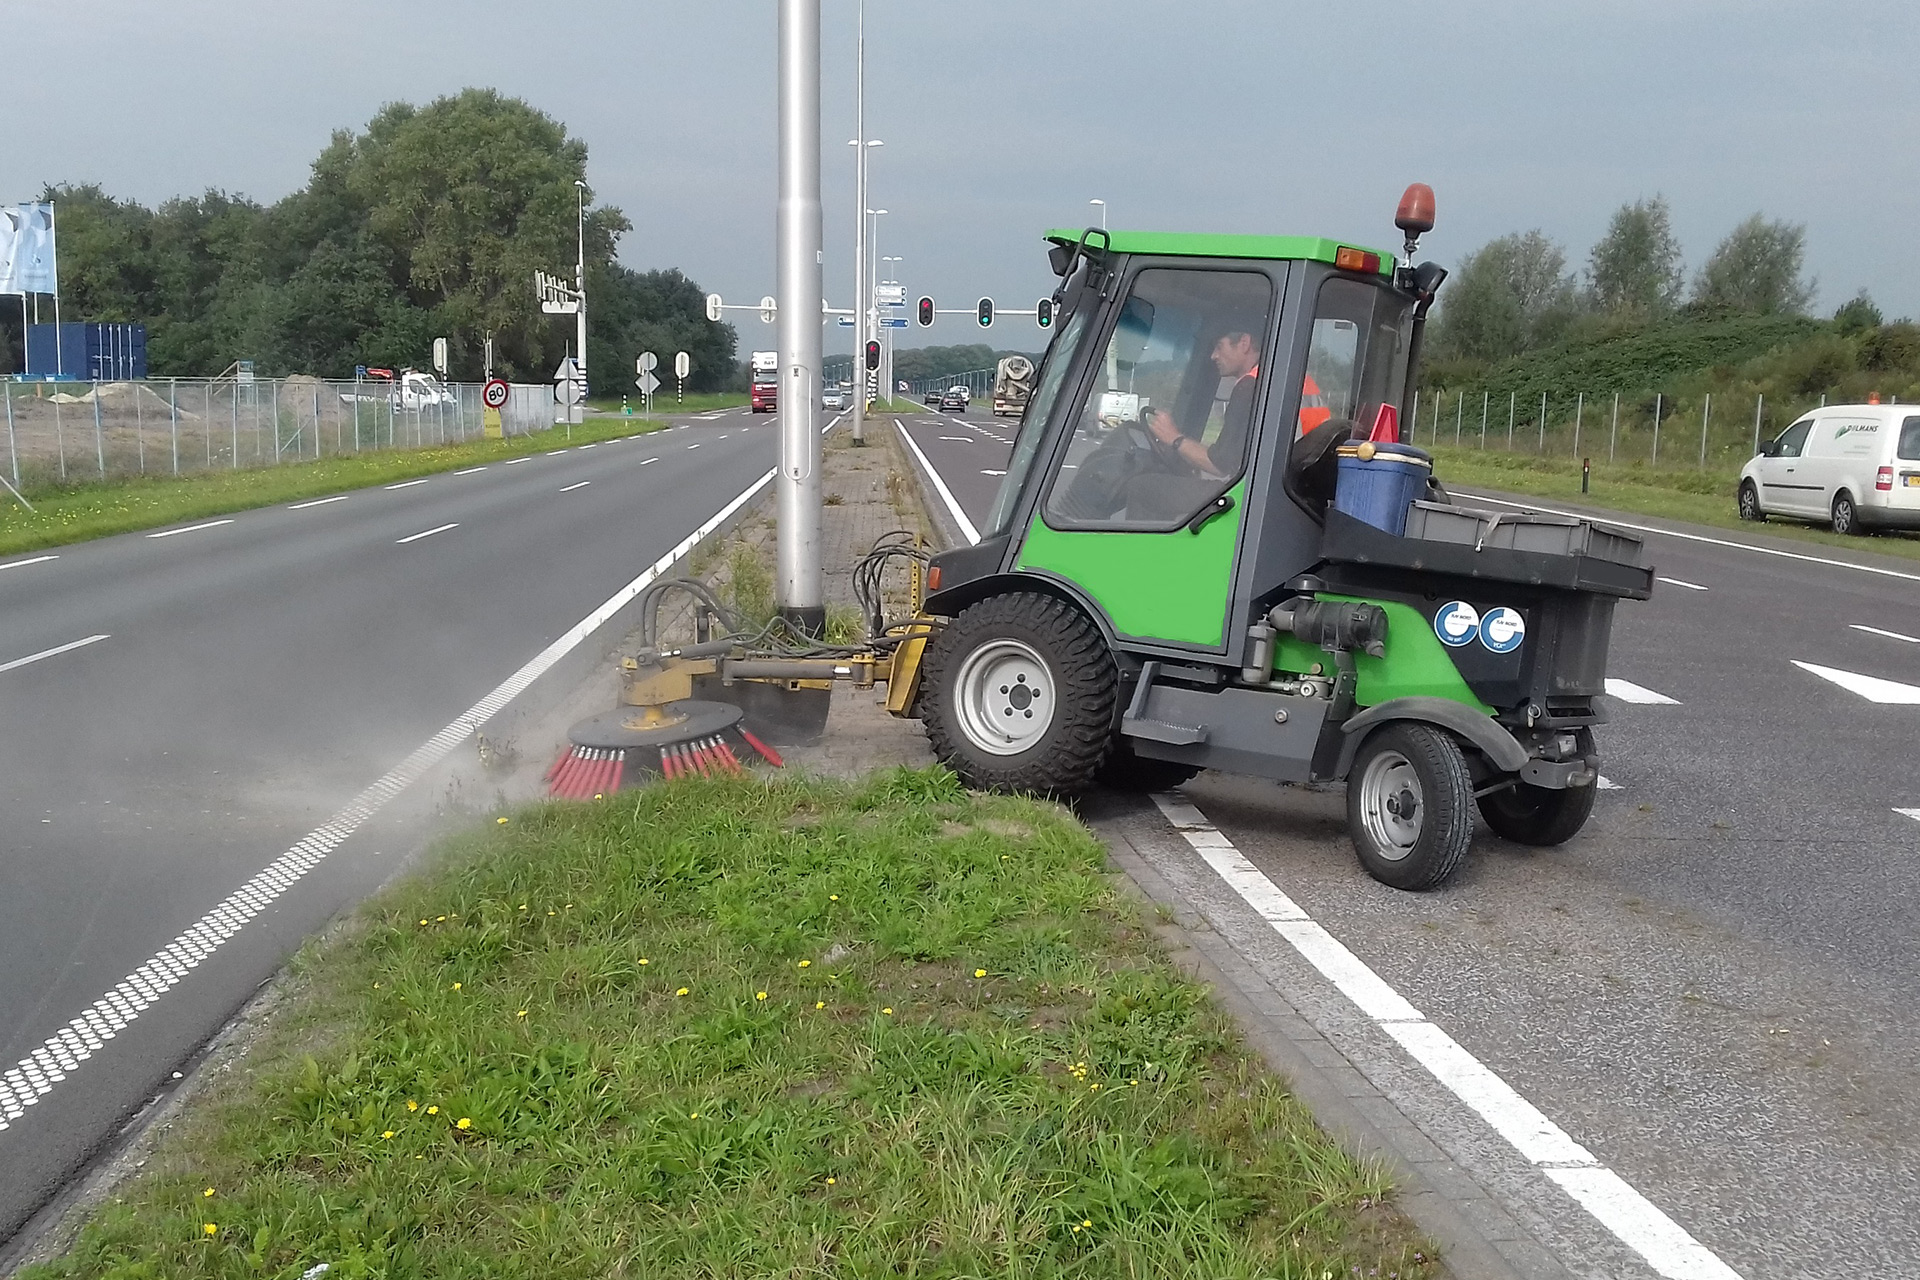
1853 466
834 397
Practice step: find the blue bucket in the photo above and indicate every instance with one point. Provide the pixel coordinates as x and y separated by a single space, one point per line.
1379 482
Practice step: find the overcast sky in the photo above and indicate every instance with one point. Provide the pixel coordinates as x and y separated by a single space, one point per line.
1002 118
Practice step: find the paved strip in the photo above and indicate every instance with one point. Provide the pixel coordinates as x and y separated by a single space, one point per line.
1876 631
1636 1221
415 537
52 653
317 502
62 1054
1874 689
16 564
192 528
940 486
1628 691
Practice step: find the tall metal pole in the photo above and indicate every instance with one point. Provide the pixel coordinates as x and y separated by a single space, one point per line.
53 244
798 234
580 283
861 284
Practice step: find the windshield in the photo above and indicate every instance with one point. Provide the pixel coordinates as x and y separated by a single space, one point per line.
1046 390
1909 449
1358 359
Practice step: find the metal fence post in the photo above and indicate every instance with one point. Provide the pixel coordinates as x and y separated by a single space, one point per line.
1543 423
1759 402
276 423
1484 396
1459 415
1579 410
1510 403
1613 433
140 422
233 406
1657 403
13 453
173 420
1706 412
99 439
206 425
60 436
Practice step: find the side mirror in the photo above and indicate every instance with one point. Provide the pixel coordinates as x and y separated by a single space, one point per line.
1769 449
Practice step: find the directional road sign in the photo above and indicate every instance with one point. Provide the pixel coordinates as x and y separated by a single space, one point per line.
647 383
893 322
566 382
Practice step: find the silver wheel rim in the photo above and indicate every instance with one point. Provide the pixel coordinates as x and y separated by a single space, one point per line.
1392 808
1843 515
1005 697
1749 503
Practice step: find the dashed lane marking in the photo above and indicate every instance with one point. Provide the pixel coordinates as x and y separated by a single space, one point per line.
1876 631
1628 691
648 461
992 473
694 445
16 564
415 537
404 484
967 530
62 1054
511 461
570 488
594 445
1636 1221
54 652
317 502
1890 693
470 471
554 453
1675 582
959 439
192 528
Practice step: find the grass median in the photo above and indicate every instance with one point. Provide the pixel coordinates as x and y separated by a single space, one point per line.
1697 496
79 512
746 1028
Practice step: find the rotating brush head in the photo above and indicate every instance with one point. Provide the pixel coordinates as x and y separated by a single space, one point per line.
624 747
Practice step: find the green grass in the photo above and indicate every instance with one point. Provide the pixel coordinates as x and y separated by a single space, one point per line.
1681 493
76 513
664 405
734 1029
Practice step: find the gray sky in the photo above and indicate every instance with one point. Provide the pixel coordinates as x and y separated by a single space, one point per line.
1003 118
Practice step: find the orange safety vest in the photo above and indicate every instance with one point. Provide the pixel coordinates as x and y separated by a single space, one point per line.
1313 406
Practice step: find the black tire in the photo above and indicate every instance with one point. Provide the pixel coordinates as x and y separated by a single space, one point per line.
1846 515
1526 814
1750 503
1055 651
1125 770
1420 847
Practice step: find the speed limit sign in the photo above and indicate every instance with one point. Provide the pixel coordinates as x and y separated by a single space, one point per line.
494 394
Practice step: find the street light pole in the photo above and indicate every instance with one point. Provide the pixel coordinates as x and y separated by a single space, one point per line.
886 352
860 282
1103 212
797 491
580 282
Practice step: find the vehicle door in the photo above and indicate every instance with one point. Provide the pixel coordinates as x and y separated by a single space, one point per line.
1841 453
1783 490
1150 529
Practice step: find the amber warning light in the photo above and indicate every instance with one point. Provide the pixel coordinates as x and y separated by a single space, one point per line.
1414 217
1347 258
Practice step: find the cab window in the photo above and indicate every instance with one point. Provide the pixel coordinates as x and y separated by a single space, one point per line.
1357 360
1909 447
1793 440
1165 427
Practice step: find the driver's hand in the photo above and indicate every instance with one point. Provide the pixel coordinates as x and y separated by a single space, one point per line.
1160 423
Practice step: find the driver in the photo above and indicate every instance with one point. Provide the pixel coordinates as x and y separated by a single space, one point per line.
1236 355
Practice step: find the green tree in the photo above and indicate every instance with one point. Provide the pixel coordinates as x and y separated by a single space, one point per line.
1514 294
1857 314
1756 270
1635 267
659 311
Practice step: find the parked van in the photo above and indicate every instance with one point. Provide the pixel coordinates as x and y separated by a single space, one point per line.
1854 466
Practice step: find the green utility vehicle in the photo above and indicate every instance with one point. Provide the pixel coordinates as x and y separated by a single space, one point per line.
1172 577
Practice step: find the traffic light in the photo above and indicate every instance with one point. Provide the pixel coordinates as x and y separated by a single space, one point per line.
926 313
873 353
986 312
1043 313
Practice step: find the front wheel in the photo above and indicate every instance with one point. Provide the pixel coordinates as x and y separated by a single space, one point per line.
1019 694
1540 816
1750 503
1410 806
1846 515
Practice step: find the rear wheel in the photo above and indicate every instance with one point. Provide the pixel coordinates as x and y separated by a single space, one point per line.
1410 806
1750 502
1019 695
1526 814
1846 515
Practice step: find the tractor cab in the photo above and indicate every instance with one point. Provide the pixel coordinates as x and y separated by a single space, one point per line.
1189 563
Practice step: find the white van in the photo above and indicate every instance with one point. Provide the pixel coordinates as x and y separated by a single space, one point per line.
1854 466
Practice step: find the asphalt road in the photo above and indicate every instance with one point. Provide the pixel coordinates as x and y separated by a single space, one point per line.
183 707
1712 986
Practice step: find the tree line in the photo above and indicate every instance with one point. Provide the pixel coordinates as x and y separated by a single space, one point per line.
1518 294
429 223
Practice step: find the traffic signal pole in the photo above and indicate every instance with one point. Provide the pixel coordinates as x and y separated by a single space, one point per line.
797 488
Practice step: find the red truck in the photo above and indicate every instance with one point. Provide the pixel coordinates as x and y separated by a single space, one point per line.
766 381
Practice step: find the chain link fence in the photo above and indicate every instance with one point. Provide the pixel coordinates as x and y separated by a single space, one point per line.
72 432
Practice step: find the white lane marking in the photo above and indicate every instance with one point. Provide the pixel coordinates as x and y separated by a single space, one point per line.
36 560
317 502
723 435
570 488
1691 586
960 439
594 445
470 471
1630 1216
1697 537
967 530
1857 626
554 453
1608 784
61 1055
415 537
993 473
510 461
50 653
1909 813
405 484
694 445
1887 692
649 461
1628 691
192 528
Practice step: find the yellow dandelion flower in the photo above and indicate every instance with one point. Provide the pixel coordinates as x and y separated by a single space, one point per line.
833 1182
456 986
681 992
979 973
806 964
463 1123
501 821
523 906
521 1014
1076 1231
1087 1222
759 995
833 897
550 912
376 986
208 1193
412 1105
819 1004
888 1009
694 1116
387 1134
440 919
599 796
433 1111
210 1228
643 960
423 922
1095 1086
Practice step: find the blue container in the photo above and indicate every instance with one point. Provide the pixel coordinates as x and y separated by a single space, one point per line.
1379 482
115 352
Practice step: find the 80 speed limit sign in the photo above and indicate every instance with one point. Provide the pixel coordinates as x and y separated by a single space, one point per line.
494 394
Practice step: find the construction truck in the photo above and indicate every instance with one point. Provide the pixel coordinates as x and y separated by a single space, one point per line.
764 369
1012 386
1213 549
